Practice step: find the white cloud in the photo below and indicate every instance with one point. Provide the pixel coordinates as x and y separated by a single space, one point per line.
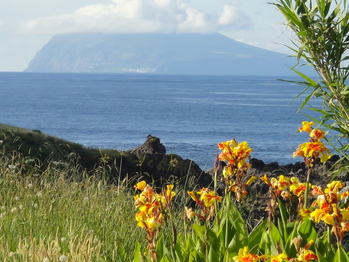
232 17
228 15
135 16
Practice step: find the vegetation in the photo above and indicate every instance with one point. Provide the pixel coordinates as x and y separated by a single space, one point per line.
54 210
321 30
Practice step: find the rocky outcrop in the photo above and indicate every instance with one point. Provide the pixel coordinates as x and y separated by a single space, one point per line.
151 146
160 168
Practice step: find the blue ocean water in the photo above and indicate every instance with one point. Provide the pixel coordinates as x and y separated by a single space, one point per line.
190 114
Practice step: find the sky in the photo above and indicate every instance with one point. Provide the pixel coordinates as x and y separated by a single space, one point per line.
27 25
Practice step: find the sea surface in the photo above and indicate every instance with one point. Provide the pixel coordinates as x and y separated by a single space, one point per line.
190 114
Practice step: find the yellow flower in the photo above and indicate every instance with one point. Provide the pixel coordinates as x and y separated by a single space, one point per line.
345 214
152 224
279 258
208 197
306 126
245 256
307 255
303 212
194 197
251 180
140 185
169 193
266 180
235 153
329 219
334 186
297 188
317 133
283 182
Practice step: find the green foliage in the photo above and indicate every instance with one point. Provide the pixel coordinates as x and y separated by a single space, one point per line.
321 28
49 214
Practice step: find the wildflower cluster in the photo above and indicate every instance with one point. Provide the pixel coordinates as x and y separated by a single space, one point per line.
206 199
314 148
235 156
154 211
304 254
291 190
328 209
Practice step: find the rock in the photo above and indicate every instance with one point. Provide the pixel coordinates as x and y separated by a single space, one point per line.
151 146
256 163
160 168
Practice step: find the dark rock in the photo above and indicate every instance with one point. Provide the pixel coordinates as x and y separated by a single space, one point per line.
271 167
160 168
151 146
256 163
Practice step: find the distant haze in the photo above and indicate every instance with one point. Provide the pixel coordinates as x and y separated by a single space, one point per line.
209 54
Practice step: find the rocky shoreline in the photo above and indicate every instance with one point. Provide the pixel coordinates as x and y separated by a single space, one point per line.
169 167
149 161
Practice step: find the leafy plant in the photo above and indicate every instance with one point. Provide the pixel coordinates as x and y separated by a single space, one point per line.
321 30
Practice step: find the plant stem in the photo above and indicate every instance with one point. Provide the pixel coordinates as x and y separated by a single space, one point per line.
306 200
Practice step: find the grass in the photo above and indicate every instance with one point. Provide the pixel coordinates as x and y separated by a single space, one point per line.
64 213
49 217
53 208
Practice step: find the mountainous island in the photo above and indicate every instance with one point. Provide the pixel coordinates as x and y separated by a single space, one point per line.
209 54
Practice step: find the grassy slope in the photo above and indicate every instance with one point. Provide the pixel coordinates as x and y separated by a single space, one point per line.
46 148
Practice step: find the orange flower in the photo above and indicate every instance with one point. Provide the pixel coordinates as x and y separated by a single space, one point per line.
235 153
303 212
208 197
317 134
279 258
307 255
245 256
313 149
296 187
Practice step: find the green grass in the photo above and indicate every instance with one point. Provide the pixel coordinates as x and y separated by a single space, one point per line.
47 217
46 149
64 211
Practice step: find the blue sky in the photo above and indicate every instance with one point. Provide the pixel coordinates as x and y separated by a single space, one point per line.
27 25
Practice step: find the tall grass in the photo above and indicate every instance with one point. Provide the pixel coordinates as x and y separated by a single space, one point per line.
52 217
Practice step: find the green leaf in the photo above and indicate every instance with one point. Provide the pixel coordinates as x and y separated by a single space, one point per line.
160 247
340 255
212 255
199 231
321 258
255 237
137 253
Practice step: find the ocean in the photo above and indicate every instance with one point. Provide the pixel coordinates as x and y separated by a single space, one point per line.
190 114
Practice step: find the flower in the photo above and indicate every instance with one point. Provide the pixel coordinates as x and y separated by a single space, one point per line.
297 188
307 255
279 258
140 185
208 197
306 126
235 154
245 256
189 213
317 133
152 206
169 193
314 148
